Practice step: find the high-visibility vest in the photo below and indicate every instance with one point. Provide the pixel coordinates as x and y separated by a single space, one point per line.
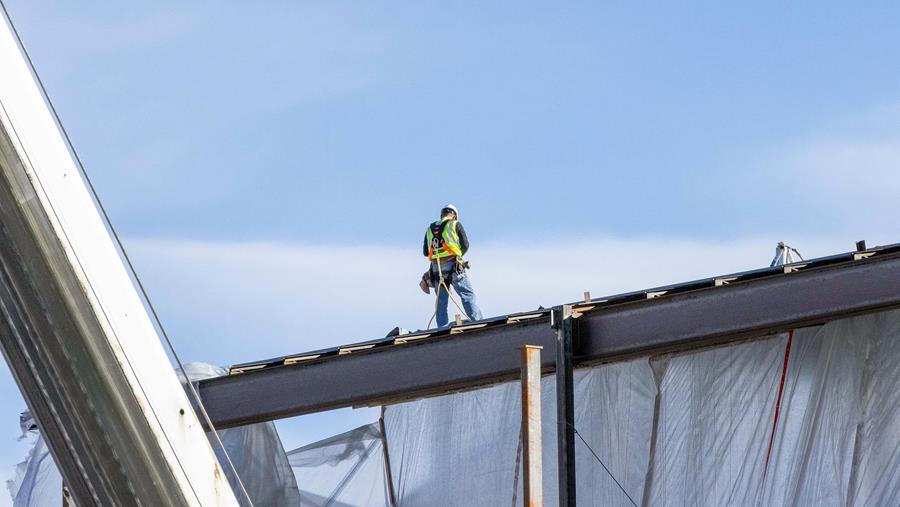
443 240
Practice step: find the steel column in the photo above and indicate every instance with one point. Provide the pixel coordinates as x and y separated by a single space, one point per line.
564 324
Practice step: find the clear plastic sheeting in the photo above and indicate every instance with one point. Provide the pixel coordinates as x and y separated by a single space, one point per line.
713 424
458 449
347 470
875 478
812 450
255 450
810 417
257 454
838 442
614 414
37 482
697 428
462 449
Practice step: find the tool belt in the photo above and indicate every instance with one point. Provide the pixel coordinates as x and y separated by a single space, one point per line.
430 278
461 266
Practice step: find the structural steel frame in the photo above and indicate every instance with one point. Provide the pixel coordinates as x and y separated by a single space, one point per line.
672 318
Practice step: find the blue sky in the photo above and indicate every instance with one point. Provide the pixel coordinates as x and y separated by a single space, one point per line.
272 167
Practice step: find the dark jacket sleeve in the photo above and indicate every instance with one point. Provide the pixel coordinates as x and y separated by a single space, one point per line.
463 239
425 244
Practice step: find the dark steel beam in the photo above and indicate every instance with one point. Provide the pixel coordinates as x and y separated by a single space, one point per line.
564 324
767 301
453 362
740 310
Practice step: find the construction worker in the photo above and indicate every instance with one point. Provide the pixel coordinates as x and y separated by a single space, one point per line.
445 244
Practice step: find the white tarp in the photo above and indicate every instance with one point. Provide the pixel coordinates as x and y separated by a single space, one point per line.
343 471
451 449
255 450
838 442
677 429
461 449
875 478
684 429
37 481
714 424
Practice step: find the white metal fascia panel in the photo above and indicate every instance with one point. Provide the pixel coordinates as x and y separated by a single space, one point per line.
57 184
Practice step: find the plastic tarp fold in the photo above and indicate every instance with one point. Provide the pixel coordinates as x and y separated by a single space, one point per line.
838 441
875 478
257 454
458 449
37 481
714 424
255 450
462 449
344 470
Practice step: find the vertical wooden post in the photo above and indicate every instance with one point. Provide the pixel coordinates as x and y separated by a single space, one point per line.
531 425
564 324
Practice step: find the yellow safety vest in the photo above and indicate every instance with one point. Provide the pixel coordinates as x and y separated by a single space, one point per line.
443 240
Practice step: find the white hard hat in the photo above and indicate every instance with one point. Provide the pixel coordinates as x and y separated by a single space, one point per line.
450 207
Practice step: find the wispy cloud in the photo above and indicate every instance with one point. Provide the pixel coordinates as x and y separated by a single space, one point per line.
848 172
243 301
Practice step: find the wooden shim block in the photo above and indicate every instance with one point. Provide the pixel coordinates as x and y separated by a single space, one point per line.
300 359
460 329
235 371
519 318
354 348
410 338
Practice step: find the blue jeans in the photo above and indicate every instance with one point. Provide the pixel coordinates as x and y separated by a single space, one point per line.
462 286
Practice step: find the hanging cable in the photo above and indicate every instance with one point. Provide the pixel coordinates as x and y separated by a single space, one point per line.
613 477
515 491
190 385
437 295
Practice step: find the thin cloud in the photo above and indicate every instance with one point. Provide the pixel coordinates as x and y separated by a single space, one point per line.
849 173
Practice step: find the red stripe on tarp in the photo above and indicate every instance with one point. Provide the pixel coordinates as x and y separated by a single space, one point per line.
784 367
